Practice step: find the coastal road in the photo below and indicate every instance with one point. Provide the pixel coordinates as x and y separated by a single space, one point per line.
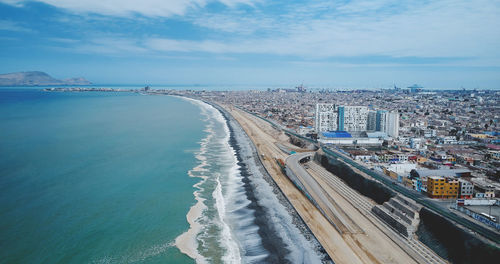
364 205
345 209
351 246
357 229
329 207
265 137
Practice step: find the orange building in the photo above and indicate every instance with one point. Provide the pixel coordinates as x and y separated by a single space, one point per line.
440 187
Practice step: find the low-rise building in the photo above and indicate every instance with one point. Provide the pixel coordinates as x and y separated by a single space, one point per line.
418 185
466 189
416 143
494 154
441 187
484 191
455 173
345 138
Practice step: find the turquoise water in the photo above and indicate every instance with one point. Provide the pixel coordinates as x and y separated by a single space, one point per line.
95 177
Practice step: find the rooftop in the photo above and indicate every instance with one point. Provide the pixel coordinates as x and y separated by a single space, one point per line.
443 172
337 134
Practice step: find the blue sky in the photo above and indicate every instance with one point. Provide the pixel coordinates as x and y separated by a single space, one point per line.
333 44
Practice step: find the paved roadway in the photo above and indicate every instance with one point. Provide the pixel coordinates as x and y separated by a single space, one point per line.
362 204
327 205
341 220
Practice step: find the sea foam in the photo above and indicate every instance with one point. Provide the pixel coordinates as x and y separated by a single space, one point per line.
253 225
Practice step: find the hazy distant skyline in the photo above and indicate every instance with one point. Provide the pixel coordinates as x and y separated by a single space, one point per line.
364 44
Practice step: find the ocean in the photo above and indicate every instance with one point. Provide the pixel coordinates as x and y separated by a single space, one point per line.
108 177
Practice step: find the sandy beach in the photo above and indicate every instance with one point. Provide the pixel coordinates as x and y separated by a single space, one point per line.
186 242
342 249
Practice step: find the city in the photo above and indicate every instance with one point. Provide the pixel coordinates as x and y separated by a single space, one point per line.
249 131
441 147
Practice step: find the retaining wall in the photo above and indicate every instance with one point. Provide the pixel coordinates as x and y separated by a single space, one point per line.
390 220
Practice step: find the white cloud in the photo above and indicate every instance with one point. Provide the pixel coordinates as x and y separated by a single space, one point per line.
150 8
7 25
446 28
113 46
318 30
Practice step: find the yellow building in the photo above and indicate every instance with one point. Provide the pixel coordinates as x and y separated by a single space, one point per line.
439 187
480 136
421 159
390 173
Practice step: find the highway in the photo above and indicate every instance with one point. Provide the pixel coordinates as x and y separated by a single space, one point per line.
328 206
361 239
352 210
362 203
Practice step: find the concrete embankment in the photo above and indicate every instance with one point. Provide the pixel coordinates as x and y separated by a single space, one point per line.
452 242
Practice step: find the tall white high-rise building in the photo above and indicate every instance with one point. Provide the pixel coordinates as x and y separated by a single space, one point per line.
381 121
352 118
392 124
330 117
388 122
372 121
326 117
384 121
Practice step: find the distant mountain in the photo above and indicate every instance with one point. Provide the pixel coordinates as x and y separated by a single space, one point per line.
36 78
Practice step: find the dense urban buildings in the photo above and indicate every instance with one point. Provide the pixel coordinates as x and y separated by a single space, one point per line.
417 138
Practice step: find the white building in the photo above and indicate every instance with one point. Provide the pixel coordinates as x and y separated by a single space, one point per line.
325 118
392 124
402 168
384 121
352 118
466 189
429 133
448 140
416 143
345 138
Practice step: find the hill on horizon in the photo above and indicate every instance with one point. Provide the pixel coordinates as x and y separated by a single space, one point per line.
37 78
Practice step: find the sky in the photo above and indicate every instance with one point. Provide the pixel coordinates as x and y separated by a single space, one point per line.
444 44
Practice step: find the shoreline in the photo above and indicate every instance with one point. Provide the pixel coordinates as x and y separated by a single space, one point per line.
272 239
297 221
187 242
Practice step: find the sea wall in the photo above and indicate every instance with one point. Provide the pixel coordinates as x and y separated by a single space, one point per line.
452 242
370 188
